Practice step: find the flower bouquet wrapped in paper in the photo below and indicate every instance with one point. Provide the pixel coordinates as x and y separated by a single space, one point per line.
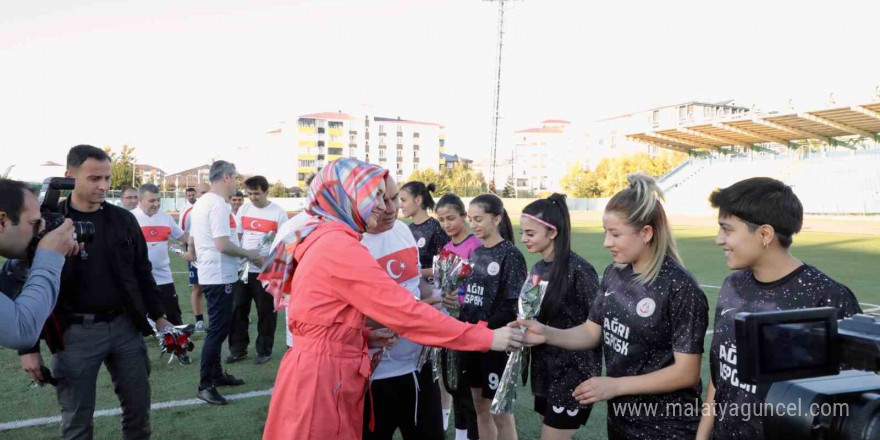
530 297
450 271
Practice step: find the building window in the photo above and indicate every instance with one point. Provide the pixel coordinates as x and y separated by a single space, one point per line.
307 163
399 153
381 153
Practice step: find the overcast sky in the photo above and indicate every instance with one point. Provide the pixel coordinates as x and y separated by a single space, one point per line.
185 81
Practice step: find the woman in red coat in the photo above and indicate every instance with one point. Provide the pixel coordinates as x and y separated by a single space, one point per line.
333 283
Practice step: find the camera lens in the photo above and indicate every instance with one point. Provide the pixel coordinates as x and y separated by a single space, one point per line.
85 231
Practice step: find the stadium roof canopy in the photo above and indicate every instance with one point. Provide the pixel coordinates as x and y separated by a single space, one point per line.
751 130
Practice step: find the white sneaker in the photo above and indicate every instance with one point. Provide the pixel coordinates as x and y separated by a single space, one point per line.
200 326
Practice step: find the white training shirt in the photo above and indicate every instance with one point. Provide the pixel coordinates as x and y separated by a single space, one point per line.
397 253
212 218
157 230
257 224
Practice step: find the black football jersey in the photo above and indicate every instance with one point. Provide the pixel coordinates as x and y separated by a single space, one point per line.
737 403
430 239
556 372
493 287
643 326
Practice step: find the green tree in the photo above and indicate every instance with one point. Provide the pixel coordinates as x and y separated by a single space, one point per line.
428 176
509 190
278 190
122 167
465 182
461 180
609 176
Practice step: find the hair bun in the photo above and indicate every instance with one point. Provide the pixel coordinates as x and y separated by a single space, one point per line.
431 187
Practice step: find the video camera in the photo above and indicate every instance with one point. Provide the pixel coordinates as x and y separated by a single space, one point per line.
801 353
50 193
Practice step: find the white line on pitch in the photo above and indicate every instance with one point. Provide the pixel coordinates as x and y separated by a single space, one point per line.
118 411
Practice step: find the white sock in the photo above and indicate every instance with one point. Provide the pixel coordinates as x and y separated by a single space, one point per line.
446 419
461 434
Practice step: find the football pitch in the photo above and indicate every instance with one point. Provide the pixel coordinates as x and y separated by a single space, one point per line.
851 259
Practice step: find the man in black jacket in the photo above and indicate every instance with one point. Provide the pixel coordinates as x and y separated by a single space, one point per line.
107 292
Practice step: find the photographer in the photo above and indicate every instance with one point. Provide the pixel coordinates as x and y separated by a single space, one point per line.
107 291
22 319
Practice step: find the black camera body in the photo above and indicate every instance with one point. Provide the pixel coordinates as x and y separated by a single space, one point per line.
801 353
50 194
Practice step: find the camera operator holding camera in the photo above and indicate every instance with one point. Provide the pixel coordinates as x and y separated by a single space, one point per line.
29 293
106 293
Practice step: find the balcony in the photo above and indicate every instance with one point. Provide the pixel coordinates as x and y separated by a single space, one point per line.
415 147
399 146
382 133
334 132
307 129
399 160
321 130
416 135
399 134
352 132
334 151
305 143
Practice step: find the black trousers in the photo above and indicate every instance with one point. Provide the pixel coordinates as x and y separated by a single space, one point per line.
219 299
396 406
170 303
267 318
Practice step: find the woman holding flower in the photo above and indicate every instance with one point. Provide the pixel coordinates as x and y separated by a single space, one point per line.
573 286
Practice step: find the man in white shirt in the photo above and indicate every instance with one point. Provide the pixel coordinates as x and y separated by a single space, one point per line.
190 197
402 397
158 227
236 201
218 255
185 224
259 221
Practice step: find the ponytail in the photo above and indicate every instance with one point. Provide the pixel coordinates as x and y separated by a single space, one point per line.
419 189
493 205
554 211
641 204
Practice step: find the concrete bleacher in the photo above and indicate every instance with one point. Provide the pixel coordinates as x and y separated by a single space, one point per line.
838 182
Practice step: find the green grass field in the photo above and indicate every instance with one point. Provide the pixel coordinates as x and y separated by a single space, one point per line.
851 259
